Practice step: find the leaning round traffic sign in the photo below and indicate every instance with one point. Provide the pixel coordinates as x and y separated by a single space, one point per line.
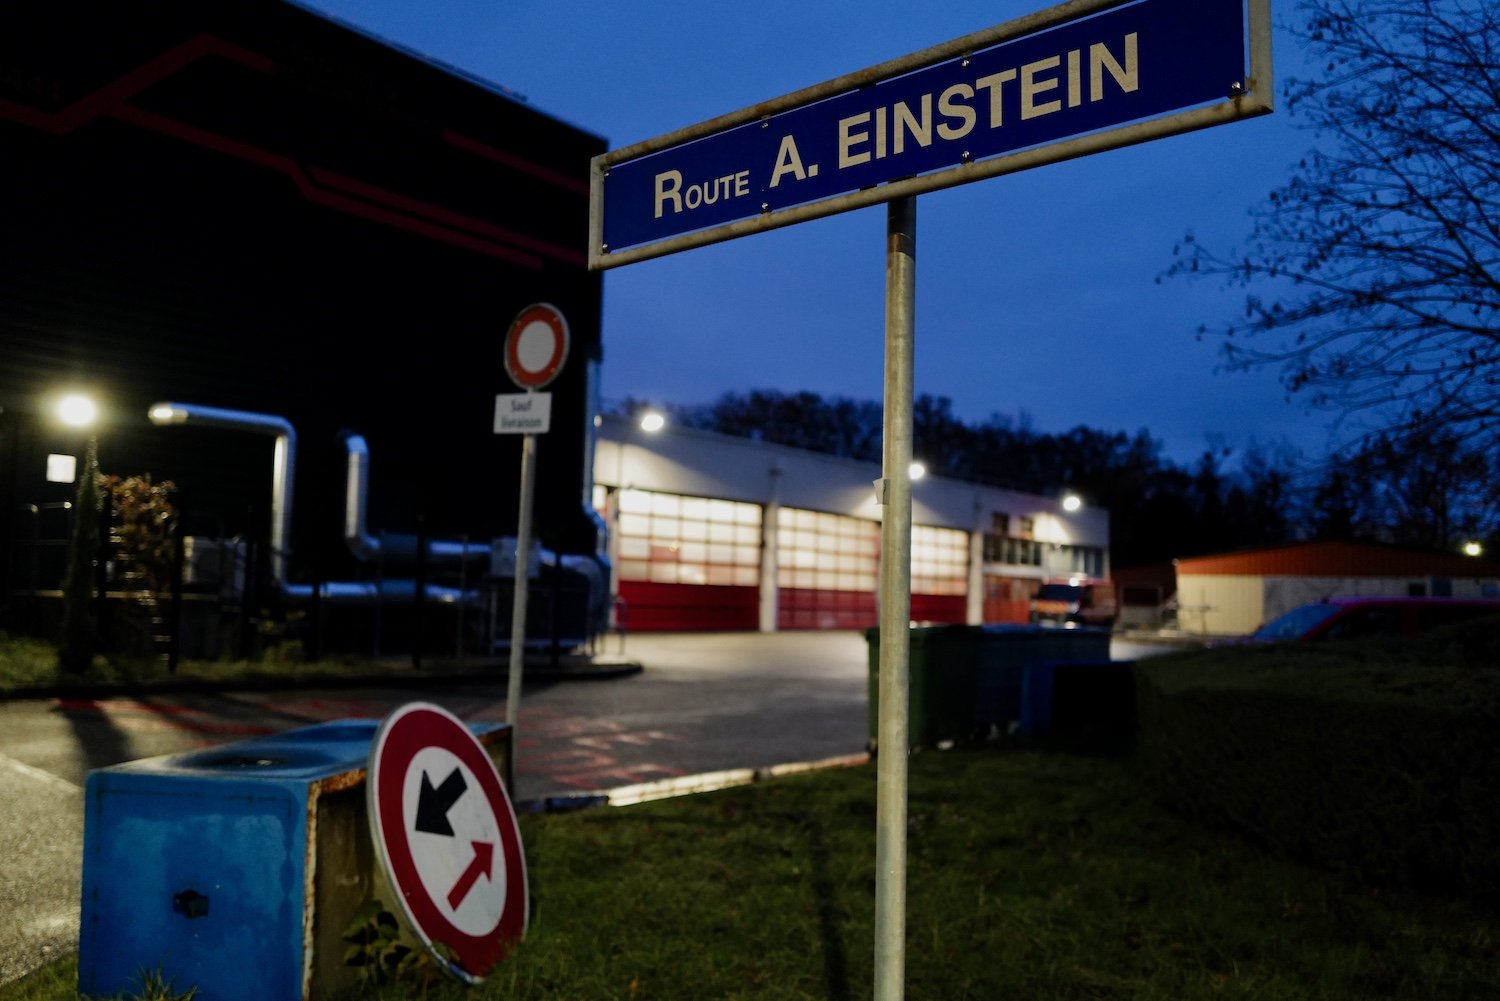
536 345
446 836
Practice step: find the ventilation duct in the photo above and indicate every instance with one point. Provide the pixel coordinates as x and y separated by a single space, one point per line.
282 464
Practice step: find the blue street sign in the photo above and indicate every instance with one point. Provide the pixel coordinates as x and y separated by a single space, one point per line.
1128 63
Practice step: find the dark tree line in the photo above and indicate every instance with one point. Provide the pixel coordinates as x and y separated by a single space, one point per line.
1428 494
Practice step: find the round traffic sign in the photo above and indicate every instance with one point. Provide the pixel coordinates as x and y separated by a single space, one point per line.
447 838
536 345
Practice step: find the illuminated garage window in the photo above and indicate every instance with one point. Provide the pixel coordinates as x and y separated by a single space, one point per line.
826 552
939 560
1086 560
670 539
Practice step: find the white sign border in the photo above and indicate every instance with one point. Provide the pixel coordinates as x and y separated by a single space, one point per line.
1258 98
382 851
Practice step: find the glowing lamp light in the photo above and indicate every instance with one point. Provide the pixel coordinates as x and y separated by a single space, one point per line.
1472 548
1072 502
77 410
652 421
916 470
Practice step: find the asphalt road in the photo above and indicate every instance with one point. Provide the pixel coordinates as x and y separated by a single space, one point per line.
703 705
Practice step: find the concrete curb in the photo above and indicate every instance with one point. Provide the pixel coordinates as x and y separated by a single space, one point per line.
539 669
685 785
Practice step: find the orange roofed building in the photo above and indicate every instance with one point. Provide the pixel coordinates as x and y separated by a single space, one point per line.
1231 594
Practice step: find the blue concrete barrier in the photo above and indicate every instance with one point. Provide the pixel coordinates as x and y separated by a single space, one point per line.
236 869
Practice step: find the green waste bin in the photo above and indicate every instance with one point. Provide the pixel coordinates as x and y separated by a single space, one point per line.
943 668
965 681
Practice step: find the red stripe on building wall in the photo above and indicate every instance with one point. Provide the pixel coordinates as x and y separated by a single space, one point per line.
653 607
939 609
478 148
808 608
115 93
311 192
447 217
688 607
415 216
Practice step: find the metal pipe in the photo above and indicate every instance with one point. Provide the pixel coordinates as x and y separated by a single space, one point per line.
363 592
367 547
282 465
892 742
361 543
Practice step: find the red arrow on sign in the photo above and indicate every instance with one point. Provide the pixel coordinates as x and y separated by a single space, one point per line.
475 923
482 865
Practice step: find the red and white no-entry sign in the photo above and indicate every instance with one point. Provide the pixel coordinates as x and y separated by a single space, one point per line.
446 833
536 345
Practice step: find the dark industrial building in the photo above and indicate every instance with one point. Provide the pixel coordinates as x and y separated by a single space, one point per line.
312 242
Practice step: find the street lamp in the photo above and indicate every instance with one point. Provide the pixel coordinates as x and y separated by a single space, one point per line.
84 584
916 470
1072 502
76 410
1473 548
652 421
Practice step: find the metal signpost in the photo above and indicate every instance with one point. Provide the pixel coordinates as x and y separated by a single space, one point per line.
447 838
1073 80
536 346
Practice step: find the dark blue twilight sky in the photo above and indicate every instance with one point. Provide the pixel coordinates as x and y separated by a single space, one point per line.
1036 292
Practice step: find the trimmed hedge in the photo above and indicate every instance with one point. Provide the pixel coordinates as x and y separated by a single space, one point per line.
1378 758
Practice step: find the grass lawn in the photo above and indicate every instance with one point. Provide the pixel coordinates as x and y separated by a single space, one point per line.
1032 877
30 664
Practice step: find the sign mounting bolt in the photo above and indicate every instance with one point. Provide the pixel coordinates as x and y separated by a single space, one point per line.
1237 89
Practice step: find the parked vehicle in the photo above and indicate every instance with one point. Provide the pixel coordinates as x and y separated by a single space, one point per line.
1349 617
1075 601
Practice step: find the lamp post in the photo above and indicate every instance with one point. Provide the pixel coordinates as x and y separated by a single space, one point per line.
85 574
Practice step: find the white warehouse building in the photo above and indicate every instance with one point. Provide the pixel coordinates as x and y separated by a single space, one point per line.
712 532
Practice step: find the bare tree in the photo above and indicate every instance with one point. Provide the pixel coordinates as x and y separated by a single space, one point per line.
1373 275
1423 490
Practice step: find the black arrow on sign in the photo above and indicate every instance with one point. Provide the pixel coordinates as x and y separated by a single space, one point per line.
433 804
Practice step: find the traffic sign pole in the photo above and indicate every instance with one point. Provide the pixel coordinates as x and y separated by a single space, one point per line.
895 604
536 346
522 577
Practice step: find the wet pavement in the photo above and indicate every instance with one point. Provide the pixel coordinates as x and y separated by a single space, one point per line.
653 715
644 721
